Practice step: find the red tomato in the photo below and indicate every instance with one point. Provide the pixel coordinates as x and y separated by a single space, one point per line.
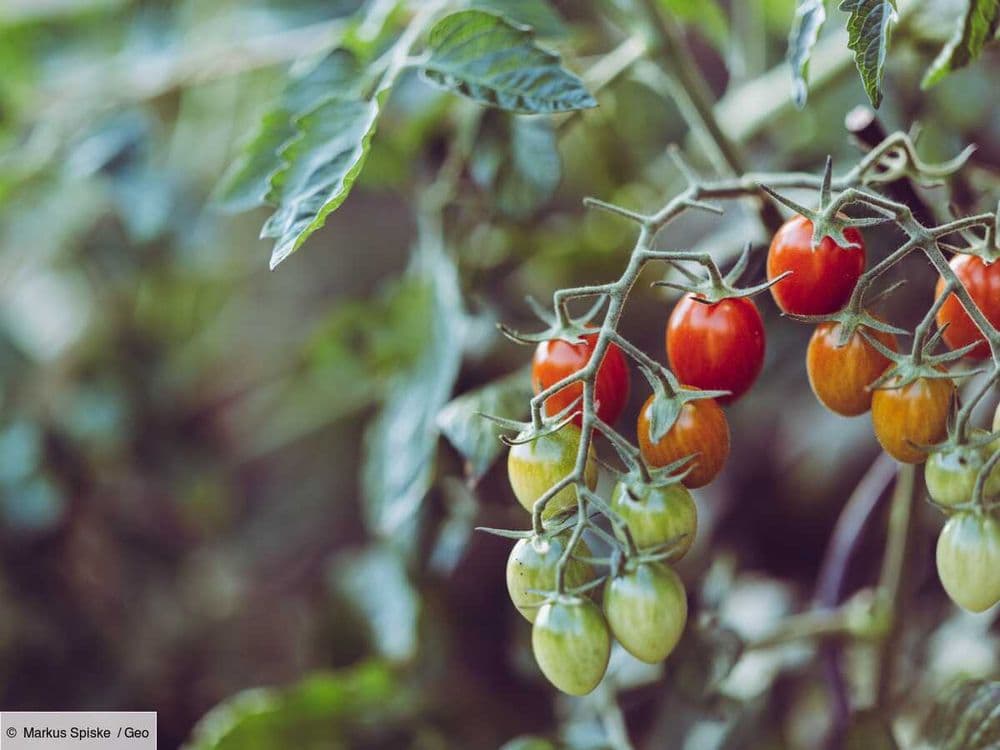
822 279
982 281
840 375
556 359
716 347
701 428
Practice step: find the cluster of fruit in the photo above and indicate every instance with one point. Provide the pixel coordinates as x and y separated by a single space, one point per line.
715 344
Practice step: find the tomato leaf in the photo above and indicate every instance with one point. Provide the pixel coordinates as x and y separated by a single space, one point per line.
538 14
497 63
476 437
517 158
401 443
868 29
809 18
977 27
965 718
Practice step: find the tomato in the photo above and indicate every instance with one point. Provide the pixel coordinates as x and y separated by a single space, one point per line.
701 428
822 279
716 347
916 414
840 376
968 560
657 515
572 644
982 282
647 609
951 474
532 567
535 466
557 359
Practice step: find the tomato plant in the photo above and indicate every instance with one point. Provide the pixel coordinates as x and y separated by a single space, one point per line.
556 359
840 376
716 345
531 568
968 560
821 279
646 608
912 416
572 644
701 430
535 466
982 281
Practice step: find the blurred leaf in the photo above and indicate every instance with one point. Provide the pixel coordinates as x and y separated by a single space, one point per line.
869 731
517 157
20 451
489 59
809 18
34 505
528 743
868 29
475 437
375 583
965 718
245 184
455 531
400 445
706 655
977 27
319 713
538 14
706 15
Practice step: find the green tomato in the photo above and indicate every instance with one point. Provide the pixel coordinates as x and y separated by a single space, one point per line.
532 567
951 474
535 466
647 609
657 515
968 560
572 644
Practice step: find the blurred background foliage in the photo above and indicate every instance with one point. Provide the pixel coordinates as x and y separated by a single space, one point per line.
225 487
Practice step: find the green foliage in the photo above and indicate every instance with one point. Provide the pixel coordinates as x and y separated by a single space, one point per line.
494 62
868 28
965 718
809 18
706 15
538 14
975 29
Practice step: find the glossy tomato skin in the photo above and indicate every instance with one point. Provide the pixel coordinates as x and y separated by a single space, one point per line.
916 414
822 279
534 467
646 608
532 567
701 428
951 474
968 560
840 376
657 515
557 359
572 644
982 281
718 346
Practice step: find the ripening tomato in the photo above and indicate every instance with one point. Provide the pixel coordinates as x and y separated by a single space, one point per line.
647 609
532 567
571 643
982 281
951 474
534 467
968 560
701 428
718 346
822 280
840 376
557 359
657 515
916 414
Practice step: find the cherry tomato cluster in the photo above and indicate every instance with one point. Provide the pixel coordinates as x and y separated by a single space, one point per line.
715 341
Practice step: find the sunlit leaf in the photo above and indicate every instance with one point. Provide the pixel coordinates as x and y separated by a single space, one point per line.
976 27
809 18
868 28
495 62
